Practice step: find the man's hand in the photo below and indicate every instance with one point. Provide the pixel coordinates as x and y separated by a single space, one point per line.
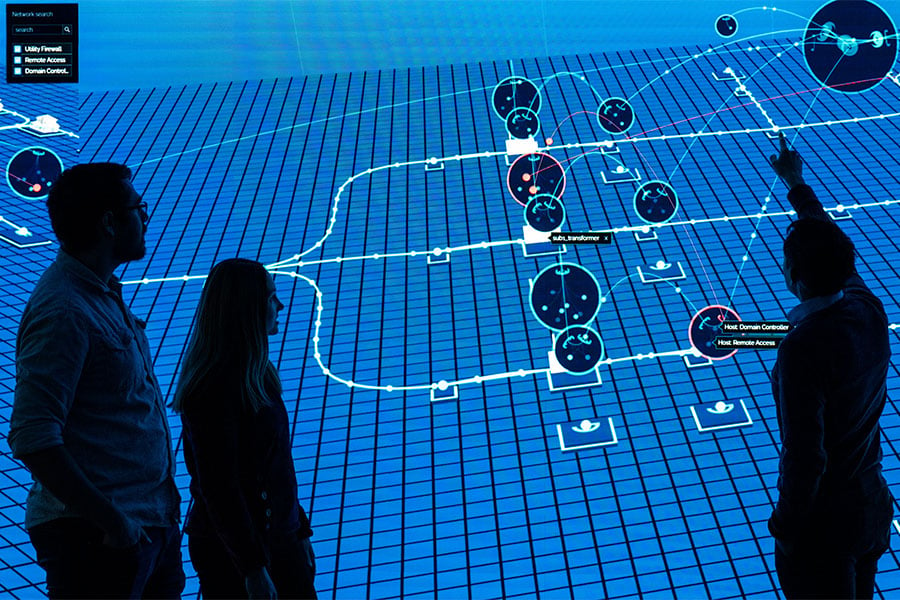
124 533
55 468
787 164
259 584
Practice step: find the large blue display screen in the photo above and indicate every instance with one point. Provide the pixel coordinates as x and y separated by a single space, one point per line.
481 406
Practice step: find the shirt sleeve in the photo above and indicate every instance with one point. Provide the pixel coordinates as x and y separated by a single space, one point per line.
804 200
803 458
51 350
211 430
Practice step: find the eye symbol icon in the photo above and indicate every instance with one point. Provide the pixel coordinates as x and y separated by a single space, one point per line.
586 426
721 408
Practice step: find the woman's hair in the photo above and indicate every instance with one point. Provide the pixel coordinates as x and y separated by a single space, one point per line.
230 336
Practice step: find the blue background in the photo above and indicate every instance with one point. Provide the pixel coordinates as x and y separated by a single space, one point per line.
248 129
154 43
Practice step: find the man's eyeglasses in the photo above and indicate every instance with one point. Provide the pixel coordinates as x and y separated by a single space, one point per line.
145 216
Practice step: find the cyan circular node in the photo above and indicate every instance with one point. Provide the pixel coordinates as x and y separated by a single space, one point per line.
850 45
513 93
655 202
563 295
545 212
32 171
705 326
523 123
825 32
578 349
615 115
533 174
726 26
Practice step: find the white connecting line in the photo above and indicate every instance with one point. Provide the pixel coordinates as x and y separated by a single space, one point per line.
295 262
27 123
443 384
743 90
19 229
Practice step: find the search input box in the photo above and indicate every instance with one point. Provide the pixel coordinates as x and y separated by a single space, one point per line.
42 29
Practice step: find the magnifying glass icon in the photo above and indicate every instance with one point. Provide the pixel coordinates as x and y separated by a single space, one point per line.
67 29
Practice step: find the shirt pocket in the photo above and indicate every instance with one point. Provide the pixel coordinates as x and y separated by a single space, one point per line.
114 363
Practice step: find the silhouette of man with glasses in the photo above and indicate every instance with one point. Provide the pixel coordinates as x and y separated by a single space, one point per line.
88 417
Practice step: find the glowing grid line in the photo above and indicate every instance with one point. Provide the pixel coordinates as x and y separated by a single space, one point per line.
652 495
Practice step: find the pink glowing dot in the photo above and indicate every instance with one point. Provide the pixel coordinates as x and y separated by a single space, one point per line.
526 177
549 141
36 187
532 190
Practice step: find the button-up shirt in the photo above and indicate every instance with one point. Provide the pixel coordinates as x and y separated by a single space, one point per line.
84 380
829 384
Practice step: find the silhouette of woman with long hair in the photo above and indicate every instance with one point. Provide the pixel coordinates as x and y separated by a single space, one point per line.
248 535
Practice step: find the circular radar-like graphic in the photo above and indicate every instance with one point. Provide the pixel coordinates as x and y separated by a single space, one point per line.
578 349
545 212
726 26
523 123
615 115
704 328
533 174
655 202
32 171
563 295
513 93
850 45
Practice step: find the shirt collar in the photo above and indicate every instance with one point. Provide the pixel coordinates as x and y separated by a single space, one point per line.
81 272
808 307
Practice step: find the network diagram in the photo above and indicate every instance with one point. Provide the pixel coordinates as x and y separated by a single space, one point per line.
568 284
30 172
843 52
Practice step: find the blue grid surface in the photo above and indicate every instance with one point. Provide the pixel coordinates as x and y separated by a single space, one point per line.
20 268
406 277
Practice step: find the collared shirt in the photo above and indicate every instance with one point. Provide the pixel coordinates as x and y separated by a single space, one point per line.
84 380
808 307
829 385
